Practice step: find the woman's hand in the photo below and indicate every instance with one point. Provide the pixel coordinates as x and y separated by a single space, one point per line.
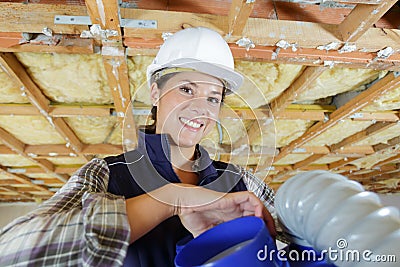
202 209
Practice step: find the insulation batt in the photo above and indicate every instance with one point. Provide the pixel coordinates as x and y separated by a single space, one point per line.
9 92
382 137
370 160
69 78
31 130
389 101
263 82
92 130
338 132
10 160
338 80
285 131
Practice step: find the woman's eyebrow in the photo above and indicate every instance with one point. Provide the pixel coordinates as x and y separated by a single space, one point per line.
190 82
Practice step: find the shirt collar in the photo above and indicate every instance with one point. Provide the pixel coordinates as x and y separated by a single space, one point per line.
157 148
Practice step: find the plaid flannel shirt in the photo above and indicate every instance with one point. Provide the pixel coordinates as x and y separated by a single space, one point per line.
82 224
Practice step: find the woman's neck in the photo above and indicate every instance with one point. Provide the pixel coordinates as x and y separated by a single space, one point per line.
182 160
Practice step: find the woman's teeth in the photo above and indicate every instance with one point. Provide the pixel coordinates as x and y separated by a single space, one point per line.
190 123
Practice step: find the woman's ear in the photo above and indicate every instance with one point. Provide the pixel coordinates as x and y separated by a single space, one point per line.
154 94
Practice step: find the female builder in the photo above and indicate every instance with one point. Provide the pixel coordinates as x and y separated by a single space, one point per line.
188 80
82 224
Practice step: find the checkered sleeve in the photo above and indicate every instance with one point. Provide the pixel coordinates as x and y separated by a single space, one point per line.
81 225
260 189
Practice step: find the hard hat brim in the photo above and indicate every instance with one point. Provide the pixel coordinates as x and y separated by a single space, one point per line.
231 77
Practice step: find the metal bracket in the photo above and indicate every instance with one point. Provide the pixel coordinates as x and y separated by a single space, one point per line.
85 20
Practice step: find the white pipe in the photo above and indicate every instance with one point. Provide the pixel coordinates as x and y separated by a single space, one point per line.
326 211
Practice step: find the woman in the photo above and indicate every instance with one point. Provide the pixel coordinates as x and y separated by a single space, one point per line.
188 80
156 201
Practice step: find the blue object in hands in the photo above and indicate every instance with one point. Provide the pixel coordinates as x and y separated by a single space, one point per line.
239 242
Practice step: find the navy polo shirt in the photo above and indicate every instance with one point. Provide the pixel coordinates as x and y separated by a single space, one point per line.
147 168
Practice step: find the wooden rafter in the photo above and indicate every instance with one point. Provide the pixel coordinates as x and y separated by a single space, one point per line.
386 84
395 158
13 190
106 14
23 179
361 18
18 74
19 18
239 13
357 137
117 74
308 76
19 147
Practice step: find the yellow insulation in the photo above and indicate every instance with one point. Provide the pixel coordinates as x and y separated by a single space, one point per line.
69 78
263 82
9 91
32 130
91 130
389 101
137 66
10 160
285 131
338 132
338 80
381 137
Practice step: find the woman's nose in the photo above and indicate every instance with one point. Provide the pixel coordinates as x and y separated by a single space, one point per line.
199 105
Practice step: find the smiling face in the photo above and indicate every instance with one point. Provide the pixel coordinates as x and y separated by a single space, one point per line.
187 106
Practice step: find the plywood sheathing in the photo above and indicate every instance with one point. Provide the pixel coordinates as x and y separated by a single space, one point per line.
86 82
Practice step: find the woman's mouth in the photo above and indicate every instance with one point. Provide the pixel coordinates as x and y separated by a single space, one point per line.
191 123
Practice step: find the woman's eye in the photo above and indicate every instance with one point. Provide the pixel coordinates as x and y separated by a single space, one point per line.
214 100
186 90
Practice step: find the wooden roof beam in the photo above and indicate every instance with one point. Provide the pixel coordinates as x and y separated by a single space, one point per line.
106 14
361 18
13 190
307 77
389 82
23 179
395 158
238 16
357 137
19 75
19 147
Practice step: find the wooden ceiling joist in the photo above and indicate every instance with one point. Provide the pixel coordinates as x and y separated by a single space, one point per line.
19 147
308 76
395 158
13 190
260 31
238 15
357 137
19 75
389 82
62 150
362 18
23 179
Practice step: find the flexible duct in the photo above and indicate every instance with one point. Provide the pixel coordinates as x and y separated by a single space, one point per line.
327 211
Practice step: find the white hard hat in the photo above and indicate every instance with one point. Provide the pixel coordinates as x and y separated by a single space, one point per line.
199 49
